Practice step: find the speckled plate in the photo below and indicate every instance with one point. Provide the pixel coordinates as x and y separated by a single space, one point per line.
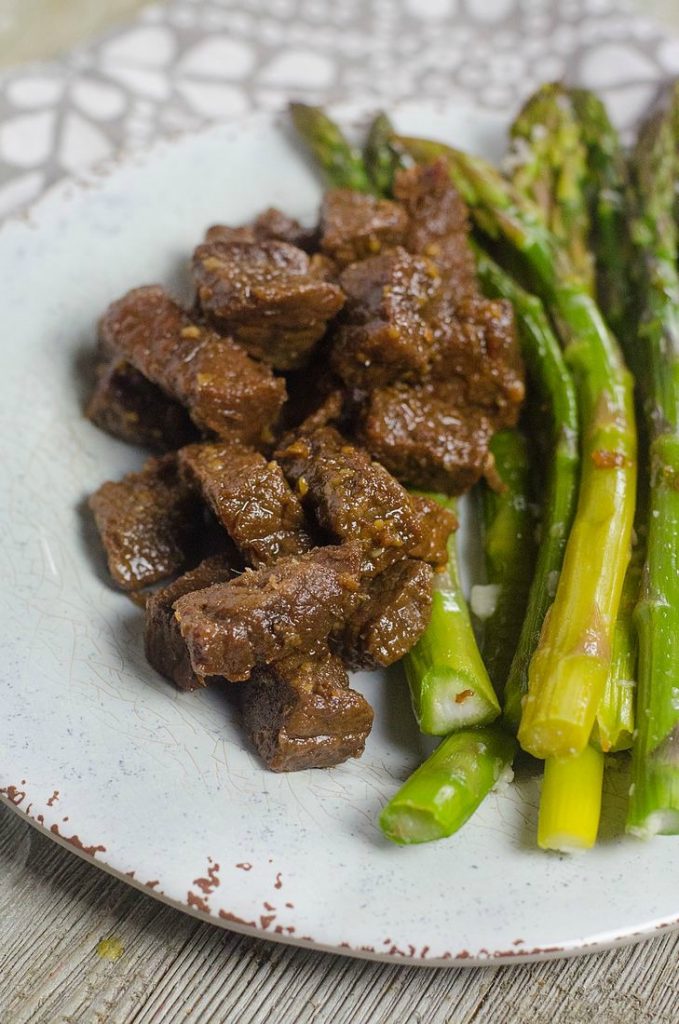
159 787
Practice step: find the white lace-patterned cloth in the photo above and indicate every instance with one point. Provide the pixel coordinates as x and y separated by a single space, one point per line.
184 63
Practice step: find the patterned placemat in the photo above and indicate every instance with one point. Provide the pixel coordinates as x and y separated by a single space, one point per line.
184 63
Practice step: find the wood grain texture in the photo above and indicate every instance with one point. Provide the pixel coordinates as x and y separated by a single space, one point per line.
55 909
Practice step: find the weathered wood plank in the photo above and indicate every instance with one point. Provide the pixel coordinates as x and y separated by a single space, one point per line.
55 909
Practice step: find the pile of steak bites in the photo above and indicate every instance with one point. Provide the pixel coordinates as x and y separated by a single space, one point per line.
317 373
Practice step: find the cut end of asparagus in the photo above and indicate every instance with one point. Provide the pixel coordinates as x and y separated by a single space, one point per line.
570 803
659 823
409 825
447 789
453 701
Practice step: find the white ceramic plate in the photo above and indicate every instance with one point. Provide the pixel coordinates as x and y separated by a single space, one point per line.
158 786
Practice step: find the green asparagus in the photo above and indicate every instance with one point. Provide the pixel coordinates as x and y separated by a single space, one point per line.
607 185
552 386
379 156
548 163
509 546
444 792
654 794
449 684
341 164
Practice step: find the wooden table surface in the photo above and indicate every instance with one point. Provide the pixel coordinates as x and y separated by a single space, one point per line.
163 967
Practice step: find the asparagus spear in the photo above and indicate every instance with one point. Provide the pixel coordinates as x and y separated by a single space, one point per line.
548 163
379 156
341 164
449 684
654 794
552 385
509 554
569 669
607 184
446 790
570 802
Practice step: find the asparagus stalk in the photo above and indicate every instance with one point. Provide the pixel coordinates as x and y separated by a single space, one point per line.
606 185
568 671
449 684
379 156
614 724
341 164
570 802
509 554
444 792
654 794
548 162
552 385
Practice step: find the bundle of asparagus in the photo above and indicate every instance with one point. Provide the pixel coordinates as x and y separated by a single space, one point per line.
561 647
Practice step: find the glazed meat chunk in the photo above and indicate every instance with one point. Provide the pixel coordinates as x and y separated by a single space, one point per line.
251 499
163 642
428 436
288 608
302 713
438 225
386 334
124 403
224 390
355 225
146 522
392 615
477 342
271 225
355 498
266 296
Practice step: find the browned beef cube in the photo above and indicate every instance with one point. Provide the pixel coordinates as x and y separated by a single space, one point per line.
301 713
250 497
393 614
265 296
146 522
428 436
165 648
224 390
271 225
264 615
355 225
127 405
385 335
477 342
437 525
438 224
353 497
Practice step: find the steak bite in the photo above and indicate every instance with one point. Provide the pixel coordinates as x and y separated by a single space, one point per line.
271 225
288 608
124 403
251 499
355 225
438 224
385 334
477 342
302 713
393 614
163 643
146 522
224 390
438 524
265 295
428 436
354 498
